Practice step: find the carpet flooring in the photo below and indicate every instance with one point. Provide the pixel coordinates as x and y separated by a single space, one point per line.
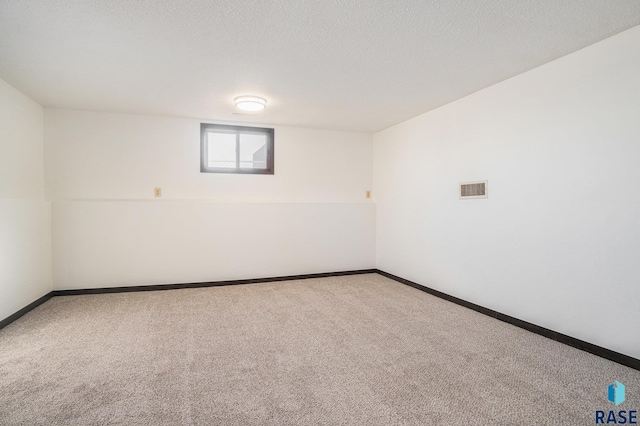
361 350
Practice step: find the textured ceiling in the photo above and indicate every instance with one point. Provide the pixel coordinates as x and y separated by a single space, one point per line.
359 65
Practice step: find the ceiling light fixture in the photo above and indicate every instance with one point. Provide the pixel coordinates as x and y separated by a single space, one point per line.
250 103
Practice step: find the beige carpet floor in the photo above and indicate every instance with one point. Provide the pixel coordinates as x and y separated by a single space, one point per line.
362 350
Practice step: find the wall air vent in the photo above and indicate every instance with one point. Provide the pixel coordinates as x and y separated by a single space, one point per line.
477 189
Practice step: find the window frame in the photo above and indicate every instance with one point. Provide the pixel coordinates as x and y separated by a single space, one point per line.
237 130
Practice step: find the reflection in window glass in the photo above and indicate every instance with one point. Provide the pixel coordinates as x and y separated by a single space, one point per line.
253 151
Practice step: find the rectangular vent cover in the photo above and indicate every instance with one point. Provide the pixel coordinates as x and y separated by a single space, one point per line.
477 189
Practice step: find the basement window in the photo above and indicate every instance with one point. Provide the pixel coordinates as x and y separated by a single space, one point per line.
236 149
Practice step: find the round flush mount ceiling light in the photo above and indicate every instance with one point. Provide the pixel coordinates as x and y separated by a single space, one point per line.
250 103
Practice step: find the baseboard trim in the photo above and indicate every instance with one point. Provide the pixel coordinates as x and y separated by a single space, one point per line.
159 287
11 318
559 337
553 335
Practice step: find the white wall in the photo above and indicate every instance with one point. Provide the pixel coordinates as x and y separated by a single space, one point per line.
311 216
557 242
94 155
124 243
25 225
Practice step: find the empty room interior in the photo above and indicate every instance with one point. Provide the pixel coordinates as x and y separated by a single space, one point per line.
278 212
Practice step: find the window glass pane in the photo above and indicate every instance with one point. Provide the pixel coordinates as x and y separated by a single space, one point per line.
222 150
253 151
236 149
